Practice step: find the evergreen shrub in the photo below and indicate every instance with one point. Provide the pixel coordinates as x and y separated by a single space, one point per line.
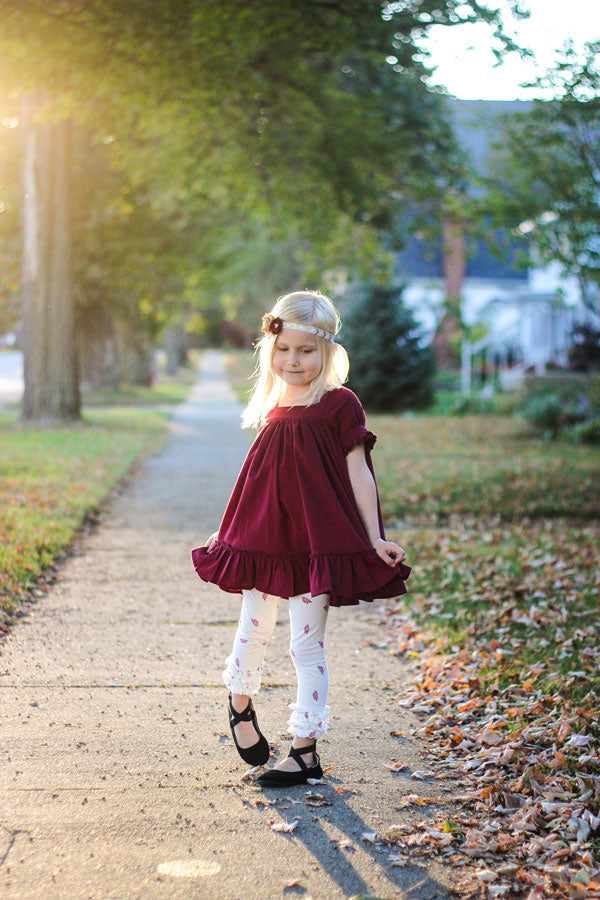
390 369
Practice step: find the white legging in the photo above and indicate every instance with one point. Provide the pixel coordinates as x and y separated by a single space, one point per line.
308 617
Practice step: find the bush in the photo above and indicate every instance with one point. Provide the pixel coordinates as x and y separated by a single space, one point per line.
389 370
567 386
585 432
552 414
545 413
584 355
563 405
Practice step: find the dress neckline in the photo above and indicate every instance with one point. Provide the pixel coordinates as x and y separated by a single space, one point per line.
282 409
291 406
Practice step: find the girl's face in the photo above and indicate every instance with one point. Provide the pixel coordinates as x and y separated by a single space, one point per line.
296 357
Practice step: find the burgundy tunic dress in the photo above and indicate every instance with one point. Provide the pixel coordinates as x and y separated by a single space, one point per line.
292 524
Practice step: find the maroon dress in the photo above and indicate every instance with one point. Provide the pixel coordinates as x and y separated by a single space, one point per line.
292 524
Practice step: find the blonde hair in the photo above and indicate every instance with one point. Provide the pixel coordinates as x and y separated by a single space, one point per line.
302 308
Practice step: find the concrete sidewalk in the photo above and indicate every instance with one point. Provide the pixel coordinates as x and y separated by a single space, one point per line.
119 776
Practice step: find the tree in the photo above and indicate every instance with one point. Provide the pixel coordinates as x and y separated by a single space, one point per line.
270 104
389 367
546 182
50 360
10 237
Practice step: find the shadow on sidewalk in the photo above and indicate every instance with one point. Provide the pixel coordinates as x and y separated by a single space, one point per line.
410 879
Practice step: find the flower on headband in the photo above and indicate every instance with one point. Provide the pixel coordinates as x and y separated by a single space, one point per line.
272 324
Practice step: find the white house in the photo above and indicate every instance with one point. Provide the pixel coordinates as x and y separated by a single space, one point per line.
530 313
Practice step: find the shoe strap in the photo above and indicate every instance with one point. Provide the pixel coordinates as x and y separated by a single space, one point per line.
244 716
299 752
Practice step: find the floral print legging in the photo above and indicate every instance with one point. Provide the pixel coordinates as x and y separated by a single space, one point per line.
308 617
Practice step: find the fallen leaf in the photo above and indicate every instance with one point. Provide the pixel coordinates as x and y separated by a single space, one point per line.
397 766
370 837
285 827
415 800
486 875
398 861
314 799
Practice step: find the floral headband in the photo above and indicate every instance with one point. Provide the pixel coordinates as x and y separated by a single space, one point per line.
273 325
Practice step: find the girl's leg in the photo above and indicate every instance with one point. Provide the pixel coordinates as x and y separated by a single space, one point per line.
242 674
310 714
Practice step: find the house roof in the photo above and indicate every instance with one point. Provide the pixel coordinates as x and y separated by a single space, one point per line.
475 126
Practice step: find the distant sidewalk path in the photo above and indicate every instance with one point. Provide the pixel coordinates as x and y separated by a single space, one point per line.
118 775
11 376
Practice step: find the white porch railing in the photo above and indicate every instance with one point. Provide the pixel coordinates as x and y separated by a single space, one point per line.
491 345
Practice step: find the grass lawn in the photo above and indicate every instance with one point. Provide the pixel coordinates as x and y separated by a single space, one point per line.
430 468
52 478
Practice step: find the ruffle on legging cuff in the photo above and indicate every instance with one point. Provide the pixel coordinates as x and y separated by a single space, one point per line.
307 724
239 681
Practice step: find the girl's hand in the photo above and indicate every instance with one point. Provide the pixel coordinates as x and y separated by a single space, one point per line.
211 540
389 552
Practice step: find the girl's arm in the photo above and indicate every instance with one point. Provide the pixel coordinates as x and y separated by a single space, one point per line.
365 494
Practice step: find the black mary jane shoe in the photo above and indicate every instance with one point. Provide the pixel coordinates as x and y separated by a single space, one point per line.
278 778
257 754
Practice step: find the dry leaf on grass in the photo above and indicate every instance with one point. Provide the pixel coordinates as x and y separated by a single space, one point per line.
523 753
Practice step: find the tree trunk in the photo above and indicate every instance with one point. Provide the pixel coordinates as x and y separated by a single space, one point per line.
454 276
98 357
176 348
50 355
135 352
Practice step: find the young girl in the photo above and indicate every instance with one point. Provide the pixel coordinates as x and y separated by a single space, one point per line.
303 522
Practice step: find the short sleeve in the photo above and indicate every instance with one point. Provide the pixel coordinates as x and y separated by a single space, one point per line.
352 425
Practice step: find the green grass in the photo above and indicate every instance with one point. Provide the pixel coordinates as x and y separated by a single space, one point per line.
52 478
168 391
432 467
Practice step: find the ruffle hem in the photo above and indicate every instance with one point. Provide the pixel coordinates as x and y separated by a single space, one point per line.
302 723
347 577
358 434
238 681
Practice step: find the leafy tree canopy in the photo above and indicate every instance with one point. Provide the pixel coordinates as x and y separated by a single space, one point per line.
546 183
273 94
236 146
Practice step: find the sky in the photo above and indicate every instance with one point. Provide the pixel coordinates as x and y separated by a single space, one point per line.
465 63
